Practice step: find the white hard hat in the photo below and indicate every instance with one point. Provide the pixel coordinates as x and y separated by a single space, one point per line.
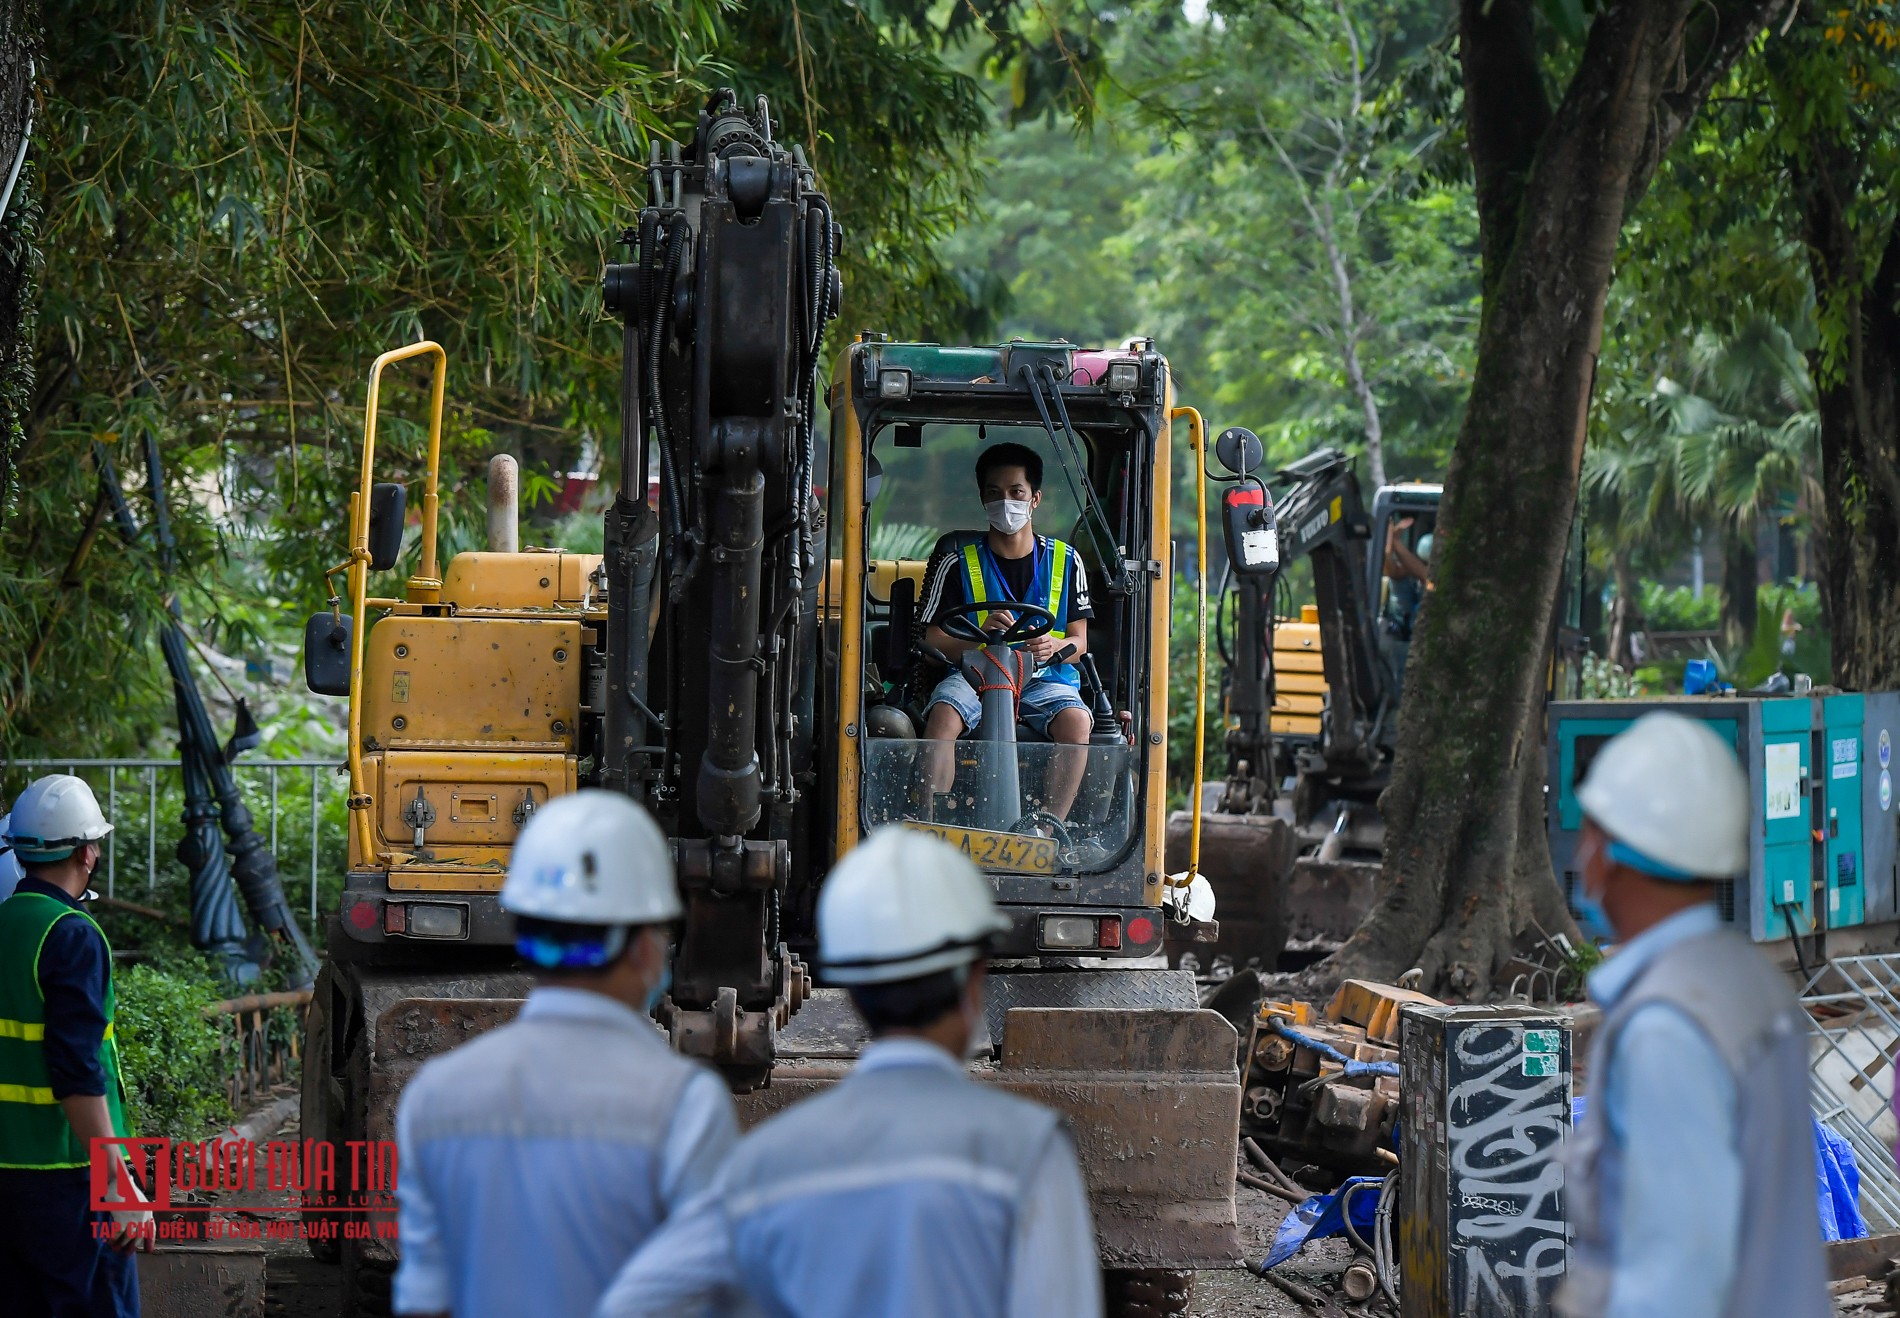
592 857
54 815
903 904
1671 795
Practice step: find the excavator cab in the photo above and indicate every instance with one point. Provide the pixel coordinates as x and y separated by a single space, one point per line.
1063 829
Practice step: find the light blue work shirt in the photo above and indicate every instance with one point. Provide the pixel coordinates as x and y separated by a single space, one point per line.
536 1158
1671 1108
692 1265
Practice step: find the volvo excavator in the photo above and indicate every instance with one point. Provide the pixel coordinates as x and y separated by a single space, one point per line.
1293 834
740 663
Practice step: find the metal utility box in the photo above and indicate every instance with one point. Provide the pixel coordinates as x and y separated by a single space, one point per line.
1821 840
1484 1113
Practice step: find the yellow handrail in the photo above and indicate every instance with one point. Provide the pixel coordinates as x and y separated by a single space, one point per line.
425 586
1197 438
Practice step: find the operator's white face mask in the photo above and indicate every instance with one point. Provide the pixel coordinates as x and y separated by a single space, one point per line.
1008 515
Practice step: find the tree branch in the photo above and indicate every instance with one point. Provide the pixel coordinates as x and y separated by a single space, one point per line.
1715 35
1506 113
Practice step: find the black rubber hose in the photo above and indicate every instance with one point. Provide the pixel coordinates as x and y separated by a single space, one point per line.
671 501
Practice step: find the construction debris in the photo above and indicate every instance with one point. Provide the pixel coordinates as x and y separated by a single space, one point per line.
1327 1089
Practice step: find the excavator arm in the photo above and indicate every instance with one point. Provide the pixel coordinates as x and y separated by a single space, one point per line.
711 657
1323 518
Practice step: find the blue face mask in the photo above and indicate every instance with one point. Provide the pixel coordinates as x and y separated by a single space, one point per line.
658 991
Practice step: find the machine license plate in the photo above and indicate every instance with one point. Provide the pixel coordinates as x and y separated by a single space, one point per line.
1007 853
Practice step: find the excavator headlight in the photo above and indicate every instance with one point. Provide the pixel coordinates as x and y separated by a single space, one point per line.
1123 377
893 385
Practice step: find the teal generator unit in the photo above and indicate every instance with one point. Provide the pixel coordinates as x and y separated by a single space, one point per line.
1823 823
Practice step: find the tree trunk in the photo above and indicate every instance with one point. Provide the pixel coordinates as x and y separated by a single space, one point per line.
1831 164
1860 445
19 233
1626 618
1552 189
1740 578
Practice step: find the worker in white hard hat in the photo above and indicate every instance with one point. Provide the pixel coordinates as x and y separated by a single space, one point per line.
1691 1185
537 1157
60 1086
908 1189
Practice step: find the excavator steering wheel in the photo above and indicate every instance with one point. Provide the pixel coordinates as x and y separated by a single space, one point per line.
1032 620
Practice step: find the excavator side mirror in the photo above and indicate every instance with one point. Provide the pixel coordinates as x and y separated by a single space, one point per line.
326 652
1239 450
388 501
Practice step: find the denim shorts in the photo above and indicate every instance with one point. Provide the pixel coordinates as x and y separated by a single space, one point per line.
1042 700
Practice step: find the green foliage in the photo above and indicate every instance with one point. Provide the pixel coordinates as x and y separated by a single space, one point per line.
1676 609
245 203
169 1050
1603 680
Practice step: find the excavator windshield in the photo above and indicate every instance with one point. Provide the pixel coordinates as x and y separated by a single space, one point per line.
1009 666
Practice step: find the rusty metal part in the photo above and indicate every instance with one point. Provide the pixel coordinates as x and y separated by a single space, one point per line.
1262 1184
1308 1298
1262 1104
1273 1052
725 1034
1300 1100
412 1030
731 866
1343 1108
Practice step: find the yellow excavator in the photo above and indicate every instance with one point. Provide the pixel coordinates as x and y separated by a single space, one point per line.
742 664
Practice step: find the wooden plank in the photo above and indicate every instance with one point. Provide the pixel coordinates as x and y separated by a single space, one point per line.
1295 704
1296 725
1298 661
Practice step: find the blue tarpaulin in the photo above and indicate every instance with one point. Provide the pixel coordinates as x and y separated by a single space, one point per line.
1322 1216
1839 1186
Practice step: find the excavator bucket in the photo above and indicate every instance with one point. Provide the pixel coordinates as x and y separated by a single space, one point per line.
1248 861
1152 1097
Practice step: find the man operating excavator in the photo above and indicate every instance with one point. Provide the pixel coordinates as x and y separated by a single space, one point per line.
1012 564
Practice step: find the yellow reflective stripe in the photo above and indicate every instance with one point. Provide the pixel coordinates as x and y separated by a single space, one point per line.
973 565
37 1095
1057 571
31 1031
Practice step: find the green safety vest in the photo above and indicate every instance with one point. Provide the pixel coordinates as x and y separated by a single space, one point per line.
1047 588
34 1131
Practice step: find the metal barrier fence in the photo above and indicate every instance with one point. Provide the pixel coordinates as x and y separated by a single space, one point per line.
1853 1008
130 779
261 1047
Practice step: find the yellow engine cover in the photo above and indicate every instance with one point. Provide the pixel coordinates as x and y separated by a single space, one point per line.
441 681
540 580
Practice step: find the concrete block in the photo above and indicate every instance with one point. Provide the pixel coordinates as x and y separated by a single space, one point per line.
210 1279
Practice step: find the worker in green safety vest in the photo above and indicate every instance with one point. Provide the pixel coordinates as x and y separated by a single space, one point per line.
60 1085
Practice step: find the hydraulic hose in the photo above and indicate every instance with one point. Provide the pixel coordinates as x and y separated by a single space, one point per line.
671 500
